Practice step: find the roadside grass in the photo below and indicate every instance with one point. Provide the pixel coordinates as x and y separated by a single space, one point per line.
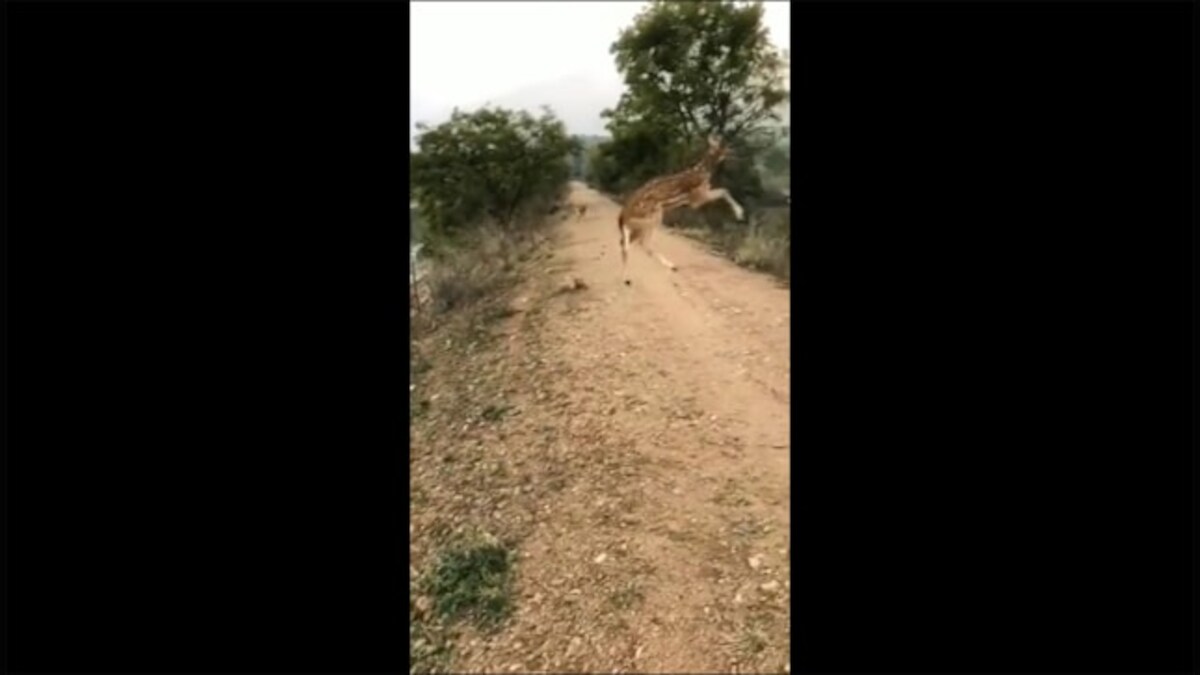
763 243
471 581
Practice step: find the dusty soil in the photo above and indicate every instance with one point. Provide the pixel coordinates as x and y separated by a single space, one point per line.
631 442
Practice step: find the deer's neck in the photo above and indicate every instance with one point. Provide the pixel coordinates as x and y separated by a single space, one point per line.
706 164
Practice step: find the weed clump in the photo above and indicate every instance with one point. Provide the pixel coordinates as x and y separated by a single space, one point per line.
472 580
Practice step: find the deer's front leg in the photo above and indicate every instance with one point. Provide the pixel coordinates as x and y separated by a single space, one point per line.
721 193
701 197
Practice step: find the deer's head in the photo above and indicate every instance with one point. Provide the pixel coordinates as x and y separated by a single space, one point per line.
717 151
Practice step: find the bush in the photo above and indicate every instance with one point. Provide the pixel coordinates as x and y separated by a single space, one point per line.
767 244
473 267
764 243
483 183
491 165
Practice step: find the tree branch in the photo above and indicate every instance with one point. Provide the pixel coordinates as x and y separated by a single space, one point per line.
678 102
752 115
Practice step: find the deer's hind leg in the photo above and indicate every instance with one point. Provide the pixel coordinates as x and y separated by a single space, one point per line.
645 241
623 225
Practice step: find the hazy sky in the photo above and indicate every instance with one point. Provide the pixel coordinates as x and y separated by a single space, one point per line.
523 54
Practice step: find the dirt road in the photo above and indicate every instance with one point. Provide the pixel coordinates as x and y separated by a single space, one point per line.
652 440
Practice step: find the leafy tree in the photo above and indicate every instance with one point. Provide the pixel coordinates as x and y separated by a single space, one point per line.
692 69
491 163
639 149
700 67
775 160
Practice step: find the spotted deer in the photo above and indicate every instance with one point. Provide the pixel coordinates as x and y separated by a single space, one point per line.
643 211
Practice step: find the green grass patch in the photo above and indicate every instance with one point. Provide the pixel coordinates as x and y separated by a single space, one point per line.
472 580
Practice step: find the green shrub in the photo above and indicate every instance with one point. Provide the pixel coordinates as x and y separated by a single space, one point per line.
473 580
490 165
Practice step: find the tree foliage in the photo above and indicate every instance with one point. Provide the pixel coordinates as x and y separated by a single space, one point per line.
775 160
492 164
700 67
691 69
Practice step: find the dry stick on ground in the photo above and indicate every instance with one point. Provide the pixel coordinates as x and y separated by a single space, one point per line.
643 211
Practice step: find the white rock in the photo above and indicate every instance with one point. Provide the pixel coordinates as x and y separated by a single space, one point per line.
601 558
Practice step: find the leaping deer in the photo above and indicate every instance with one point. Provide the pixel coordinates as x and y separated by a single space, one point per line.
643 211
